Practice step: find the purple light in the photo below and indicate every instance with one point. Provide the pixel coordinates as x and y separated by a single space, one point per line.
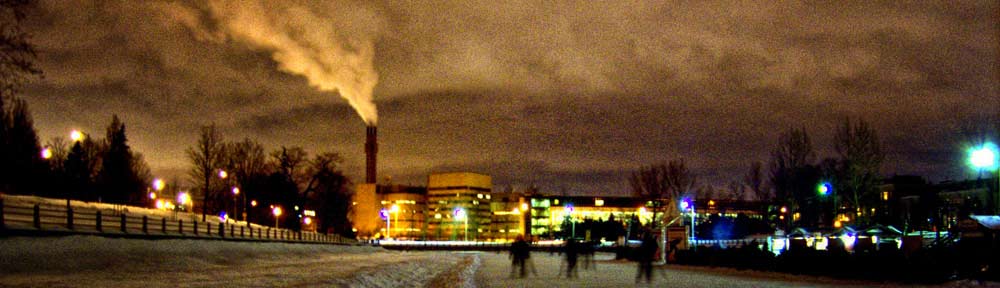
384 214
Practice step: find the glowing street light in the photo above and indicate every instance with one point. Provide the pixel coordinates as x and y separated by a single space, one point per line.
223 174
824 188
277 213
76 135
47 153
461 215
158 184
985 157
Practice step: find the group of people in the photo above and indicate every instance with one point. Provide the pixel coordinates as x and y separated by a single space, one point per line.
520 254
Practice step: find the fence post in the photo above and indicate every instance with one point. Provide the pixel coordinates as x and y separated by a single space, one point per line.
163 225
37 218
208 229
195 227
144 224
241 232
180 226
97 221
69 218
268 232
124 228
222 230
231 230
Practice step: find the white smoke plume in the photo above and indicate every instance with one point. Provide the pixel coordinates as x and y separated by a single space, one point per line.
330 44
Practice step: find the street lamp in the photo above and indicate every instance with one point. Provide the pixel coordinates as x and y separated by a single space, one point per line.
985 158
395 210
461 215
824 189
688 205
569 207
236 203
277 213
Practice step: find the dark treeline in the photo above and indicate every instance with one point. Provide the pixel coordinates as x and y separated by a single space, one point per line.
790 181
287 177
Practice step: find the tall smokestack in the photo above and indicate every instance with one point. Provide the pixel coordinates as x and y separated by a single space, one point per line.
371 148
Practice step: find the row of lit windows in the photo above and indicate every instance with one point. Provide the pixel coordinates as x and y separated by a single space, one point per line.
384 202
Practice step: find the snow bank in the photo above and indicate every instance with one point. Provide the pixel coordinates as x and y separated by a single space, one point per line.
75 253
100 262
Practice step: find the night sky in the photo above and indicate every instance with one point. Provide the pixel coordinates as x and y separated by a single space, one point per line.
566 95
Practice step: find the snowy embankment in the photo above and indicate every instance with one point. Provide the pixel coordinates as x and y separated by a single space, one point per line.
96 261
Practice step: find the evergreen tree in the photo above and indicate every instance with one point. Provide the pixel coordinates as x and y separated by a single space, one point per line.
25 169
81 166
115 177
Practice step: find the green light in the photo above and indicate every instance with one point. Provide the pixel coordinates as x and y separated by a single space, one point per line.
824 188
984 157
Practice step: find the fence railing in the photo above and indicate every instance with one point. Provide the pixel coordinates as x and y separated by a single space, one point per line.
24 217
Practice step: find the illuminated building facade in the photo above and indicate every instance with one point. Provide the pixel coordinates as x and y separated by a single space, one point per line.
458 206
462 206
405 206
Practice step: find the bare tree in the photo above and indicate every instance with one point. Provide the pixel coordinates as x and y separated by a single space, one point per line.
861 159
754 180
663 184
794 154
737 191
289 161
206 159
17 53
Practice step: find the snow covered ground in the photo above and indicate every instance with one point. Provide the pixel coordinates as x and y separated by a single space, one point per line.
90 261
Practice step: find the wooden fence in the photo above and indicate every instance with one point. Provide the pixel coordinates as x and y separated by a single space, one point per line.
46 218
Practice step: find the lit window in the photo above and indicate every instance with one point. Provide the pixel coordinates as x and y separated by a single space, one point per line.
598 202
885 195
487 196
480 196
556 201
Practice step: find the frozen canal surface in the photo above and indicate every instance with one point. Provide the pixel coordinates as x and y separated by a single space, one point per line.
87 261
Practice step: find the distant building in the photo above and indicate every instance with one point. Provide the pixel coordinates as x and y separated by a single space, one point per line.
462 205
458 204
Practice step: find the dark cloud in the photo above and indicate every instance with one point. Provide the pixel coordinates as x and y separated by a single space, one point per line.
569 95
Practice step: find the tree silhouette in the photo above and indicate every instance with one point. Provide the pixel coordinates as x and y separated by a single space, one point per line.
23 166
206 159
662 185
328 192
121 176
793 176
81 166
17 53
861 159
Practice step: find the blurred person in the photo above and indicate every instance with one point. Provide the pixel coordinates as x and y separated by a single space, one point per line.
644 256
572 251
519 252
